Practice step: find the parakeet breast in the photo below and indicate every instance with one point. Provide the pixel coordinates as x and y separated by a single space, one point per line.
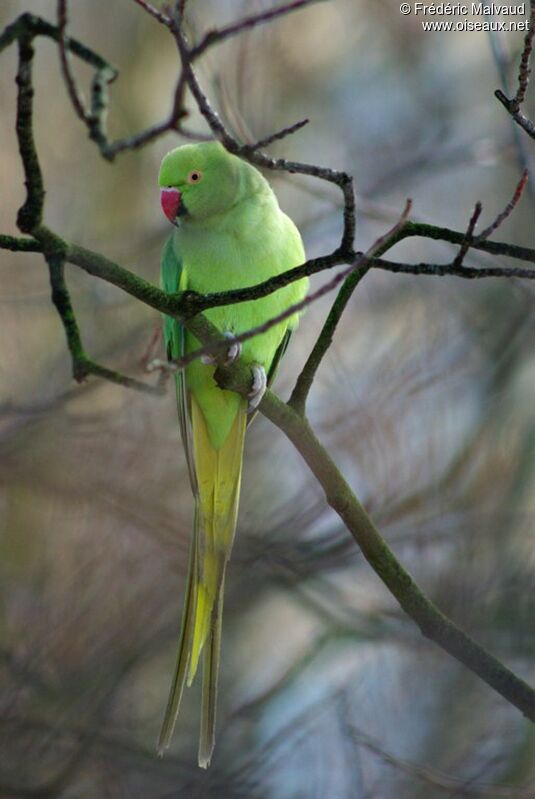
250 245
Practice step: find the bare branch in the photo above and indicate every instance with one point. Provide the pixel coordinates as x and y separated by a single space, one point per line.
281 134
74 94
449 270
432 623
16 244
180 8
383 242
521 119
437 233
437 779
28 27
246 23
340 179
509 208
468 236
525 68
150 9
31 212
352 278
82 366
513 105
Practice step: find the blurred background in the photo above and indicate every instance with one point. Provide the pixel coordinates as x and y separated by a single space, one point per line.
425 400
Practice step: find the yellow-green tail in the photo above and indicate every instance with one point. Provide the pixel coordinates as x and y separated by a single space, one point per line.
218 473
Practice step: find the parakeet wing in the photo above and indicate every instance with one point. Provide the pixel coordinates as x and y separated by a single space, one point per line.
172 279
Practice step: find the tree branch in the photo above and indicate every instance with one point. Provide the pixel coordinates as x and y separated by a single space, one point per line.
454 787
448 270
72 89
246 23
513 105
432 623
306 377
250 152
468 237
30 214
16 244
273 137
150 9
82 366
507 211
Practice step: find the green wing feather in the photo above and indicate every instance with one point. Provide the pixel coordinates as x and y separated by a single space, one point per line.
171 276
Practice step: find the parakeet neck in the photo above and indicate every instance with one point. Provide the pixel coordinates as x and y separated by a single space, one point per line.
251 182
254 200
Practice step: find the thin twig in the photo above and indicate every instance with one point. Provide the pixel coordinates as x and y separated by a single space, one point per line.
352 278
524 71
246 23
468 236
280 134
432 623
523 148
509 208
150 9
68 77
340 179
437 779
513 105
382 242
31 212
180 8
521 119
449 270
17 244
82 366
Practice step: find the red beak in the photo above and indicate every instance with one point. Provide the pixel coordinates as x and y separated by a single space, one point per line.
170 202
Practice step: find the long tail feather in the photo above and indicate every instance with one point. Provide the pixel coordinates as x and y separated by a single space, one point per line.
218 477
210 684
185 642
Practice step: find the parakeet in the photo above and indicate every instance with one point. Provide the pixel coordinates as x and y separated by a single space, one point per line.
229 233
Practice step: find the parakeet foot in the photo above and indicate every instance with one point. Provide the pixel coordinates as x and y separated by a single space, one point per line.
233 352
164 368
258 388
158 365
151 348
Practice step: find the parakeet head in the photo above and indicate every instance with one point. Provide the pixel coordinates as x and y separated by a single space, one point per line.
198 181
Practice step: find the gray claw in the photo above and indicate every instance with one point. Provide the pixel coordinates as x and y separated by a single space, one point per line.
162 366
258 388
207 360
233 353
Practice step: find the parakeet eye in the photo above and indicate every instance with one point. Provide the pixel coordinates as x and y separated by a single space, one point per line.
194 176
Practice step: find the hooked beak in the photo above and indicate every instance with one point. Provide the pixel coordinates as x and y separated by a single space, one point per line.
170 200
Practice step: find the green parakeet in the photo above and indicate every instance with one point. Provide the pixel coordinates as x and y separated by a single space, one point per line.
229 233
